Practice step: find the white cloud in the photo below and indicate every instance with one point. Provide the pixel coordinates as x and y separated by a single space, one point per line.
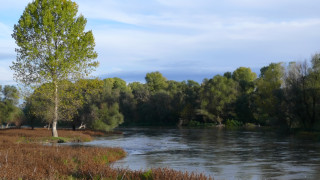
13 4
5 31
6 75
109 10
221 32
186 3
204 35
270 4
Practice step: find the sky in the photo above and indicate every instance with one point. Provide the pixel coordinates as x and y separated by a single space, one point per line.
184 39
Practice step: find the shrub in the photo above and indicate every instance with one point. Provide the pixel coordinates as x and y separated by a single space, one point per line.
233 124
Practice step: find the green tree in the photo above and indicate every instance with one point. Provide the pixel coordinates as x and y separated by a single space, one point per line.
268 95
227 75
40 105
156 82
141 96
191 101
244 104
177 91
296 94
122 94
302 93
105 116
11 93
140 91
312 100
101 109
71 100
158 110
245 77
9 112
90 91
52 46
217 97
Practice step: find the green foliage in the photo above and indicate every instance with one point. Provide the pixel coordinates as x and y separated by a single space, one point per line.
302 94
250 125
147 175
228 75
105 117
40 104
101 109
158 109
283 97
156 82
216 97
59 139
52 43
140 92
52 46
194 123
268 93
91 102
230 123
71 100
11 94
245 77
244 104
9 112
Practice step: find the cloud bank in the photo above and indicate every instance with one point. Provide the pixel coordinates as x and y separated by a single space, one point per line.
185 38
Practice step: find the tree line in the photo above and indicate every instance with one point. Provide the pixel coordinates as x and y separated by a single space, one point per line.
284 95
55 54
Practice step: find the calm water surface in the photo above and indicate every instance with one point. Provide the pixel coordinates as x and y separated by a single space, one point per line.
218 153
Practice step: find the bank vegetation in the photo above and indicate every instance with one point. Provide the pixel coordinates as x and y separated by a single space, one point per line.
34 154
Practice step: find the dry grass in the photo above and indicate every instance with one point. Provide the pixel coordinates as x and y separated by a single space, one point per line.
32 161
25 159
42 135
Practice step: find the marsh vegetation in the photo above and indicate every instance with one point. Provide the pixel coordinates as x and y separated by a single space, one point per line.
30 154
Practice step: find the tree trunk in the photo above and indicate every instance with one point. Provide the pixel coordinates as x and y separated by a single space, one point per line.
55 119
180 123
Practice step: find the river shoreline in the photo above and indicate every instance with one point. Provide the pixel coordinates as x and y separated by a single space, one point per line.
218 152
34 154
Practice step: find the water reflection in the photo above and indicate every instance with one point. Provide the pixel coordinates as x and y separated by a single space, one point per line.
219 153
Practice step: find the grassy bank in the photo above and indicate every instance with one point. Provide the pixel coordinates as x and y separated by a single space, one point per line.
23 155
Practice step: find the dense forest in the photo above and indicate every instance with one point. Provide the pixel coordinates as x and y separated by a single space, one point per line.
284 95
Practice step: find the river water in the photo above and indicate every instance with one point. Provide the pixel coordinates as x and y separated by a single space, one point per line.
217 153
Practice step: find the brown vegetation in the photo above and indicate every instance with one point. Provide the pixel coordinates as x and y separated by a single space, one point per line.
43 135
24 159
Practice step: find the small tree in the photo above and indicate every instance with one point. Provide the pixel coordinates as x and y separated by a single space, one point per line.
52 46
9 112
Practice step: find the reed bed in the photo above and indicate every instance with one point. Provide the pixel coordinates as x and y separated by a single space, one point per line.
25 160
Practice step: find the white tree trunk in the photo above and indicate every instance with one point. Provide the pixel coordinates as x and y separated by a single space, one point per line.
55 119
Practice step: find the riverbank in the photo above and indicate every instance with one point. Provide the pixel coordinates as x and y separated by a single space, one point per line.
34 154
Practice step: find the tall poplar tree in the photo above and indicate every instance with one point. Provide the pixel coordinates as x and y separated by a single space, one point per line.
52 46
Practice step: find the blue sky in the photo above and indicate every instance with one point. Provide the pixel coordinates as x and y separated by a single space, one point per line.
184 39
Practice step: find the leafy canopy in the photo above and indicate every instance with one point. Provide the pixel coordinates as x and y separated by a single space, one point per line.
52 43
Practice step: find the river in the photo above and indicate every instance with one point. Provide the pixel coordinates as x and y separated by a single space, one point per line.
222 154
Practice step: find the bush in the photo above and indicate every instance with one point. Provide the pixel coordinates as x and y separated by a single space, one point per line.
233 124
194 123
